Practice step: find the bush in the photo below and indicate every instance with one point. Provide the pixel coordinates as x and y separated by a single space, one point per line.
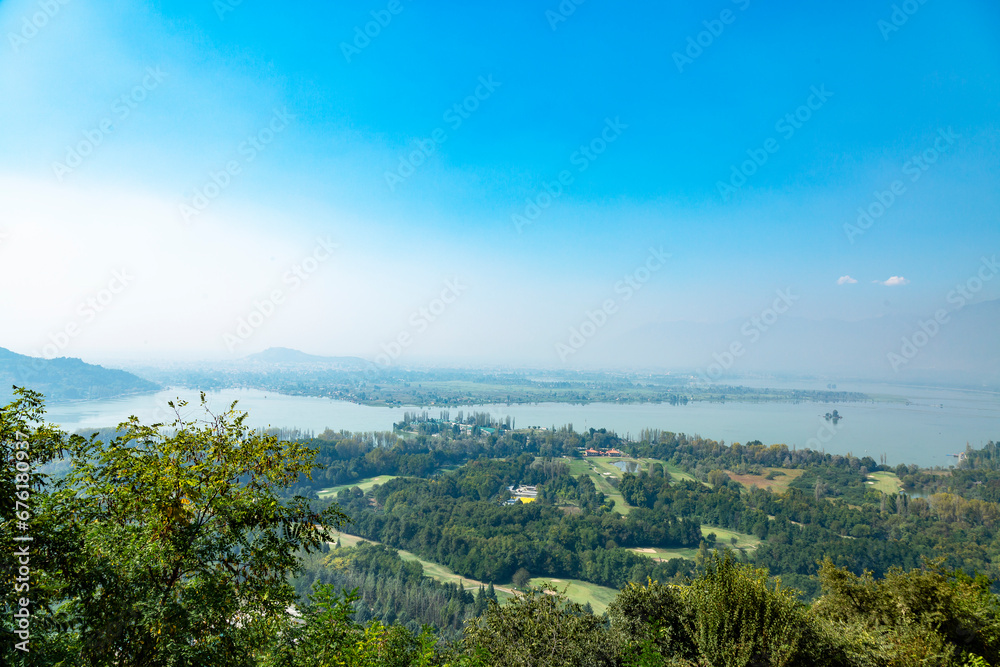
737 618
521 578
651 617
730 616
924 616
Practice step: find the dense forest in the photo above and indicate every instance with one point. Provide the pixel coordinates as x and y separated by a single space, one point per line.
447 521
212 543
829 510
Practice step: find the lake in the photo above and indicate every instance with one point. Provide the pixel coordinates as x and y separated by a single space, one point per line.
918 425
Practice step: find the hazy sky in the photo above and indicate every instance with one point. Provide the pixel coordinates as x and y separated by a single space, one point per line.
170 168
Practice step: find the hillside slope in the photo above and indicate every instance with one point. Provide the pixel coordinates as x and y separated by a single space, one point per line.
65 378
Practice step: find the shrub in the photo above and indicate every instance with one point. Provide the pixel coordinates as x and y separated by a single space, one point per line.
924 616
538 629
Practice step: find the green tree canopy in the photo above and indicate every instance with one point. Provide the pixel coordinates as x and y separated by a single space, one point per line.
175 547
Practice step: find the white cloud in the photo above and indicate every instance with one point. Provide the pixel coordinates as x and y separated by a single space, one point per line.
846 280
894 281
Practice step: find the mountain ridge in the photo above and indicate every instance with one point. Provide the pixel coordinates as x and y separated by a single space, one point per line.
66 378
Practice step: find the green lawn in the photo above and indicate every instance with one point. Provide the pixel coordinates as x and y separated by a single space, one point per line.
722 536
886 482
666 554
580 592
363 484
578 466
676 472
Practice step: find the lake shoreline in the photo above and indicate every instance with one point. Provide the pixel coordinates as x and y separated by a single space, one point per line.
923 429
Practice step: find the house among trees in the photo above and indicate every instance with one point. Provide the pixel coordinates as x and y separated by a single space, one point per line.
522 494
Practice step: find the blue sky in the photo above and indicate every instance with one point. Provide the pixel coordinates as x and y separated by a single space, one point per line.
227 71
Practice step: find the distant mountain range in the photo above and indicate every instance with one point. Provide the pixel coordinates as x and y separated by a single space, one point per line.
64 379
288 356
964 349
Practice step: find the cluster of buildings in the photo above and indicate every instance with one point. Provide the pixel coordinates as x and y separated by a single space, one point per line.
466 429
602 452
469 428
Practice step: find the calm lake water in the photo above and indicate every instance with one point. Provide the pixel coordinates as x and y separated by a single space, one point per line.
919 425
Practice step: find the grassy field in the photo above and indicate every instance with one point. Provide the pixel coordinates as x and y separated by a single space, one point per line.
676 472
779 484
432 570
363 484
580 592
722 536
886 482
666 554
